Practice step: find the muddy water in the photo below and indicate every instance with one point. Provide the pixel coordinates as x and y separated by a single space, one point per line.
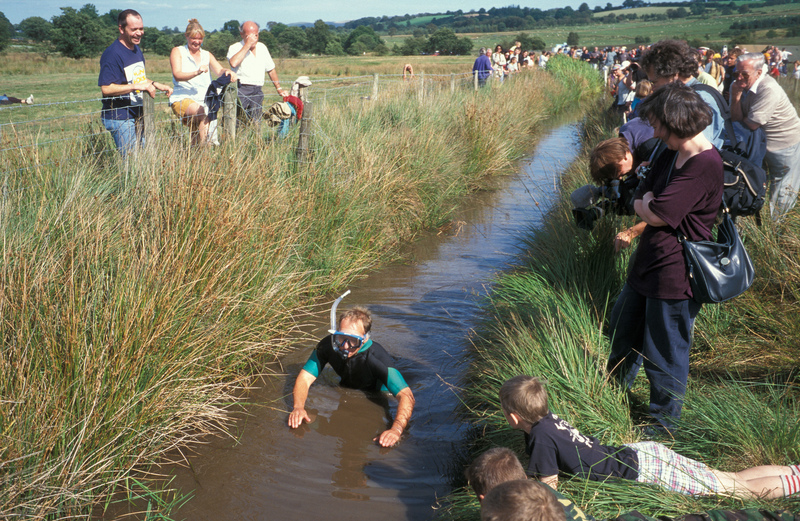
423 312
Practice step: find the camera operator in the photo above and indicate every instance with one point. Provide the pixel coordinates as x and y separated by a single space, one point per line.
612 163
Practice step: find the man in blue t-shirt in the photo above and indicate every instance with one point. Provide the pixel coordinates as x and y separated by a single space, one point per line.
362 364
122 81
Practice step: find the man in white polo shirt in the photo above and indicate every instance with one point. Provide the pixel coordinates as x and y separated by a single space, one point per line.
250 59
757 100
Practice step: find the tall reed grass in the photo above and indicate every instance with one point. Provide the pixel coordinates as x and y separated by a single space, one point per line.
548 316
138 300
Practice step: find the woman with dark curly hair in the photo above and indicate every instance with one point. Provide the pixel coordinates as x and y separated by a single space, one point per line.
652 321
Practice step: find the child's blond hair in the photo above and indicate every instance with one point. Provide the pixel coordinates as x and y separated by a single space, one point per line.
644 88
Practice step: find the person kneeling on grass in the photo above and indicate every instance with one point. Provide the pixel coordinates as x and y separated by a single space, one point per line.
528 499
555 446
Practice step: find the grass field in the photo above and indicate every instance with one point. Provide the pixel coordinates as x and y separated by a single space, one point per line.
706 27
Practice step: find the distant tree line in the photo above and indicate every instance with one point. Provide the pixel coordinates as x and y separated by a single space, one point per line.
82 33
79 33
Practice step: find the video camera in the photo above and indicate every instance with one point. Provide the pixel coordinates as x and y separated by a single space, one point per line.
591 202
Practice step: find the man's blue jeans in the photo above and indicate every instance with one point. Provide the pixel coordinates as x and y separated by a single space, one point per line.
125 134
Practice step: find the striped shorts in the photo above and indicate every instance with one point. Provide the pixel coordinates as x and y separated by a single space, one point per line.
661 466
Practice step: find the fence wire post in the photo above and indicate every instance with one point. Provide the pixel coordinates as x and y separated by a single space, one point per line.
375 87
229 100
302 152
421 86
475 80
148 120
452 83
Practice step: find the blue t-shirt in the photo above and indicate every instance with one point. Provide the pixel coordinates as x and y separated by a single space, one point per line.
120 65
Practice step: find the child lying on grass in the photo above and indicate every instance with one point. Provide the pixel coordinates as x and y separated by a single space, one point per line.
505 494
555 446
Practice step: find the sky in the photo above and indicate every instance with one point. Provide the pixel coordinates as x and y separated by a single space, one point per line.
213 13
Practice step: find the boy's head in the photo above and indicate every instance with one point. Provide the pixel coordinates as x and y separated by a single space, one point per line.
493 467
610 159
525 398
521 500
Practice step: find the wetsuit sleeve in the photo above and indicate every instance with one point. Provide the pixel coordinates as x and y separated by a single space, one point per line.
313 365
319 357
395 381
381 364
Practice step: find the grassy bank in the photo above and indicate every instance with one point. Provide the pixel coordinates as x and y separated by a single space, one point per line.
548 317
136 303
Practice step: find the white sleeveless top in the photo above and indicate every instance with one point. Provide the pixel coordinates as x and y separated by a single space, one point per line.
196 87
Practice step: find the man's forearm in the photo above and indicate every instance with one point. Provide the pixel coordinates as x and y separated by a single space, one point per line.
405 406
117 89
736 107
238 58
273 75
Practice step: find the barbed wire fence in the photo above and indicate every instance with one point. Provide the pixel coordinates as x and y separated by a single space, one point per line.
65 134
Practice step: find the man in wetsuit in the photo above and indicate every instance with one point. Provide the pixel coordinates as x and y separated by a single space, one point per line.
362 364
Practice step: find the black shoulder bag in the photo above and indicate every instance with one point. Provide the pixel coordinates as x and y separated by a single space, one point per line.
718 270
721 270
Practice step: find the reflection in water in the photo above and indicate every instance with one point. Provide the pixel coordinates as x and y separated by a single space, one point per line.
423 312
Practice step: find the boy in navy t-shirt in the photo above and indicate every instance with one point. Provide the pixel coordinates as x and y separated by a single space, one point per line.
555 446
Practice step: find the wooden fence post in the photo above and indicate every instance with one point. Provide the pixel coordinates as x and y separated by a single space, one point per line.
452 83
375 87
229 103
475 80
148 119
303 152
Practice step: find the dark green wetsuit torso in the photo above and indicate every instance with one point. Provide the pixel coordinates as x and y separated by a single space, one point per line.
370 369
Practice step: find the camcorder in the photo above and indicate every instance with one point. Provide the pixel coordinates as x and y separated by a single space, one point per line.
591 202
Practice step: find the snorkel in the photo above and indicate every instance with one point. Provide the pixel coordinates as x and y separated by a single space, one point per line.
332 330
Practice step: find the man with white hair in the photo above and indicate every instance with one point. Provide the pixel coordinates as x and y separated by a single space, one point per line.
250 60
758 101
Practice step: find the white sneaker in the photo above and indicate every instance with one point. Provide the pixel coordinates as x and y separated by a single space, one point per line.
29 101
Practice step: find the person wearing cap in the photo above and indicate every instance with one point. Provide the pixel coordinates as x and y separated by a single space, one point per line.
362 364
625 86
250 60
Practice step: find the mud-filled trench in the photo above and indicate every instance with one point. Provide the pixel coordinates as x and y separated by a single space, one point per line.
424 309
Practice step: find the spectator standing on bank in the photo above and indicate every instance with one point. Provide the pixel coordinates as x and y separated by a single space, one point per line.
758 101
499 63
191 74
483 66
250 60
123 82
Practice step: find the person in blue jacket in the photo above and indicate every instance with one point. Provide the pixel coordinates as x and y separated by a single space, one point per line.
483 65
362 364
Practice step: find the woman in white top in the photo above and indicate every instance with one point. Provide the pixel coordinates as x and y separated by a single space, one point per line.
190 74
499 62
